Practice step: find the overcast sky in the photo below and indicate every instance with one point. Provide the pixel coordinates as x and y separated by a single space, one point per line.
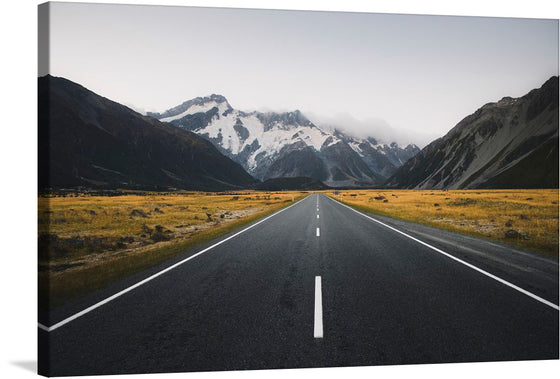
395 77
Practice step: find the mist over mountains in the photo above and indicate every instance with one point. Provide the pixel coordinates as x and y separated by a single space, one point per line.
272 145
377 127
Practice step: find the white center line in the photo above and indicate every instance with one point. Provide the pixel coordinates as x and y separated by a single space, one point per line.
318 232
317 216
318 327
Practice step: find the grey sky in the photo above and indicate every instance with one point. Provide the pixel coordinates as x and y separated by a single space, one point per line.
418 74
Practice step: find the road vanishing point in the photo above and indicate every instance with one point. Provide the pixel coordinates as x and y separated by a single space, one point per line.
316 284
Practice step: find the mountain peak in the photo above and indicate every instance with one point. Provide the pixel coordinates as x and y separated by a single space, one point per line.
217 98
551 82
193 106
213 98
285 144
293 118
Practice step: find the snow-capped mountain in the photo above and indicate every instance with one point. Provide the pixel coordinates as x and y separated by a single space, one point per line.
271 145
512 143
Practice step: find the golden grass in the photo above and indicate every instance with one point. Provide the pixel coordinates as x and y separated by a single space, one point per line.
95 240
483 213
87 242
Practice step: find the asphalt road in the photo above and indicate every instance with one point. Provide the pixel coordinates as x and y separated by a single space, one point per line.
253 302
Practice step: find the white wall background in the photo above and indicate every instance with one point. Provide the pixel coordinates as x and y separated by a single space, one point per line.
18 185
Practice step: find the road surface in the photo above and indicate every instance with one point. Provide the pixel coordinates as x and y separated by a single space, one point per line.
317 284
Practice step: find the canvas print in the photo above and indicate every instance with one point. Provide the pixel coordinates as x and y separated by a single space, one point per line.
242 189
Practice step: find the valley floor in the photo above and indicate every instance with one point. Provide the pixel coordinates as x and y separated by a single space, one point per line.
523 218
89 240
316 284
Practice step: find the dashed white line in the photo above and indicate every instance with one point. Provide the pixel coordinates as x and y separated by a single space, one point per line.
317 216
318 232
128 289
505 282
318 326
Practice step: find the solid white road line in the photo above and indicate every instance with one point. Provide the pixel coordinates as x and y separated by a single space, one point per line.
118 294
318 232
318 327
511 285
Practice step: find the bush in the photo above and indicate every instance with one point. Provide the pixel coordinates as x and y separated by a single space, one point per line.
138 212
159 236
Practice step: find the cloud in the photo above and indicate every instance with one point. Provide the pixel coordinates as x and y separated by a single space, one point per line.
372 127
135 108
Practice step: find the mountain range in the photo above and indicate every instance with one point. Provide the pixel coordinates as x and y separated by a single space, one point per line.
86 140
512 143
273 145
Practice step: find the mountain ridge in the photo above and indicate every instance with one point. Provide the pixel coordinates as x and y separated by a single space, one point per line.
489 148
86 140
287 144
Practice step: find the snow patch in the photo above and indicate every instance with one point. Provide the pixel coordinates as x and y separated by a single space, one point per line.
196 108
356 147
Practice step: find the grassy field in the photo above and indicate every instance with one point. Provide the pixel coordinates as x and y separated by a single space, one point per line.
524 218
88 241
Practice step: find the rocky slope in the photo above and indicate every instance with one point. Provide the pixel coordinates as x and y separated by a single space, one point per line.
512 143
